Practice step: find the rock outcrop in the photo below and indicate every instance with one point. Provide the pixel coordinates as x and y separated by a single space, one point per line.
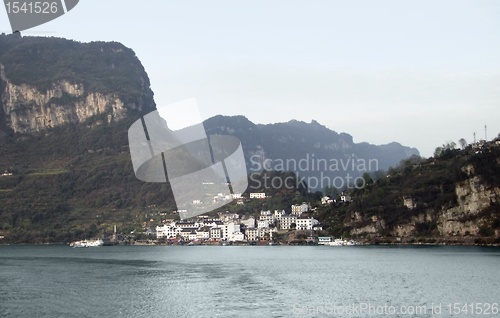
67 92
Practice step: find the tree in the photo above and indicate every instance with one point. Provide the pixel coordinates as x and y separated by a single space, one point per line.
379 174
438 151
367 178
331 191
446 148
462 143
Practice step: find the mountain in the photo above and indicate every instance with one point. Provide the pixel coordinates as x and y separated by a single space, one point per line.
65 165
47 82
309 149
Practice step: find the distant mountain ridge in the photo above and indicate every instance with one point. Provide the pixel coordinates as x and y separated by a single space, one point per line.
295 140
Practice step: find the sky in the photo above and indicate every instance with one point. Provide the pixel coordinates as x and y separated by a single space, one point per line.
421 73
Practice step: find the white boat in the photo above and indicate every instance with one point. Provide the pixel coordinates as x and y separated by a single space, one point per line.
79 244
87 243
93 243
337 242
342 242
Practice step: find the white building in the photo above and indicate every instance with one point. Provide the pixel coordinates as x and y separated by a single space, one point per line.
167 231
298 209
216 233
326 200
322 240
265 213
186 233
252 234
187 225
236 196
267 233
279 213
203 234
285 222
345 198
228 216
263 224
257 195
306 223
236 236
249 223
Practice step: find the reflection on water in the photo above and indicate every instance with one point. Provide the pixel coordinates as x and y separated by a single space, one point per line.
237 281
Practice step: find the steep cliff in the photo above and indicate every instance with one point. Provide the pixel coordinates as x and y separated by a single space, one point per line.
47 82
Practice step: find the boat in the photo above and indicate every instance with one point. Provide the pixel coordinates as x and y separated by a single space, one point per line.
87 243
342 242
94 243
337 242
79 244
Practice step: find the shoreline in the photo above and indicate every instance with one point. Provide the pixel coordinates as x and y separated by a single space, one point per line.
275 244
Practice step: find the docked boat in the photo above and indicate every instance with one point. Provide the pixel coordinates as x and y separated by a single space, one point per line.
79 244
94 243
342 242
87 243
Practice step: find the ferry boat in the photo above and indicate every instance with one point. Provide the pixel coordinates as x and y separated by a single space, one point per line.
342 242
87 243
79 244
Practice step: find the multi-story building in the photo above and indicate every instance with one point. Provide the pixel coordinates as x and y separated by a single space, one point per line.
286 221
262 224
252 234
249 223
279 213
203 234
216 233
236 196
236 236
167 231
298 209
306 223
187 225
257 195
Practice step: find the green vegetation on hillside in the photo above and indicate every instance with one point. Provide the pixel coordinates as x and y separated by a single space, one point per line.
100 66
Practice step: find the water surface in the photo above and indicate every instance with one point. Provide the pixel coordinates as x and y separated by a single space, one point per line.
241 281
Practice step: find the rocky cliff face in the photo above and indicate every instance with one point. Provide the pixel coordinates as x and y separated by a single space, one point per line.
28 110
37 101
474 215
474 198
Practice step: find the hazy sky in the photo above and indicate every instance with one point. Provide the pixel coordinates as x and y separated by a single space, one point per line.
417 72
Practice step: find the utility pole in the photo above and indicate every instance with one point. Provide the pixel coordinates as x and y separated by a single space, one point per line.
474 137
485 135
